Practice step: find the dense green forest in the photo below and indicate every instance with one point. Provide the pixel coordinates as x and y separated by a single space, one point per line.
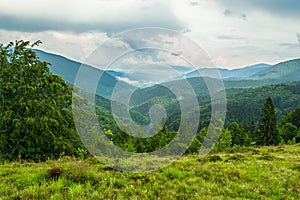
242 104
267 131
245 112
36 121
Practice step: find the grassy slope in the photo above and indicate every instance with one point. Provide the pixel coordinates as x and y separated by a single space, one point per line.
253 173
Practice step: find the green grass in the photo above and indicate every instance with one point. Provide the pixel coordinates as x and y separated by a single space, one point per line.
247 173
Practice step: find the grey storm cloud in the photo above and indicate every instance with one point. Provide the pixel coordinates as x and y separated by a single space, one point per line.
104 18
231 13
278 7
14 23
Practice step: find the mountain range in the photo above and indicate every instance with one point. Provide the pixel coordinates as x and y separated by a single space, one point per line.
246 89
245 77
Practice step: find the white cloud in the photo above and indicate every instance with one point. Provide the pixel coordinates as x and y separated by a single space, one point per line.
82 15
75 28
127 80
245 42
76 46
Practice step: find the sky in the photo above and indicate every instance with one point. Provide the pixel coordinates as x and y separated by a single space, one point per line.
233 33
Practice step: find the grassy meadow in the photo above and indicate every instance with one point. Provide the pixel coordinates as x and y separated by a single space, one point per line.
244 173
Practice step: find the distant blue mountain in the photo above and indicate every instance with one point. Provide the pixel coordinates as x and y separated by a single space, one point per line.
68 69
181 69
240 73
247 71
284 71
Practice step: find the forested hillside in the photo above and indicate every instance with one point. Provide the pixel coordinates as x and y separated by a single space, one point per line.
242 104
37 121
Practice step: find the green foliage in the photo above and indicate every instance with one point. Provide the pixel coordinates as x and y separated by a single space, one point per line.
247 105
288 131
289 127
243 105
293 118
268 133
225 141
238 134
194 147
141 145
36 121
82 153
297 138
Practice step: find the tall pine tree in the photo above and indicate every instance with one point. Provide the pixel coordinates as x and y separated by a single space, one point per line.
268 133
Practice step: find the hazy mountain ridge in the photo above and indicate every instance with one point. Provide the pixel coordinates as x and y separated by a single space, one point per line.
68 69
239 73
287 71
247 77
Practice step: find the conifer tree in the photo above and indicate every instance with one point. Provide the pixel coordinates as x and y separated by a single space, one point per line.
268 133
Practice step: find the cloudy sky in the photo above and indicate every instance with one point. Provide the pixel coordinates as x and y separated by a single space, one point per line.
233 33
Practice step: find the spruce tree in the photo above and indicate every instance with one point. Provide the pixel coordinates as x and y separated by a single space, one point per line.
268 133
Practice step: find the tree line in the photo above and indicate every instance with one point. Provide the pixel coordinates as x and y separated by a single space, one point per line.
268 131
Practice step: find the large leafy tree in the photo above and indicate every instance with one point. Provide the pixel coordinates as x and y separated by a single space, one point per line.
35 121
289 127
293 118
268 133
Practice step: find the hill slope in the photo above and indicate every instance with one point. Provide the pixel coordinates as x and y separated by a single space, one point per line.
240 73
242 105
282 72
68 70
